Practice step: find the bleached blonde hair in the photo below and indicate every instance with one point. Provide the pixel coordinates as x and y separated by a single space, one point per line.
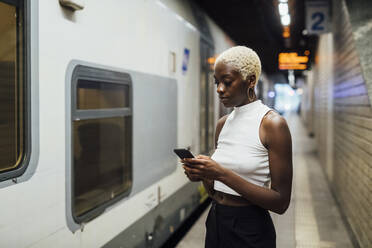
243 59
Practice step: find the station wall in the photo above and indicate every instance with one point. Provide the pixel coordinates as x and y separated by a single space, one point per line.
360 16
342 119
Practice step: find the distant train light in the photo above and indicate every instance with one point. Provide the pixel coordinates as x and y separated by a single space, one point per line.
271 94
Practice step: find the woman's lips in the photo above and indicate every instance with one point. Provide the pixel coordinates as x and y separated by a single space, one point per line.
224 99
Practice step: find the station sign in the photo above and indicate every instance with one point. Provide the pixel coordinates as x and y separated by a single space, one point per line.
185 60
317 17
292 61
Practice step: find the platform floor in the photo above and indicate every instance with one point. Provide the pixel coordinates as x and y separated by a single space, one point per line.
313 219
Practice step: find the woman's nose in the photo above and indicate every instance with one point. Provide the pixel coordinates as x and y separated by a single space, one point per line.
220 88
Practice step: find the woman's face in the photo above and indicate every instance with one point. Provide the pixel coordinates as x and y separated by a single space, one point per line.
231 87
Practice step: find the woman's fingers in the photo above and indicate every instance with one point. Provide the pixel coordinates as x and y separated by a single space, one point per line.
192 170
194 162
203 167
196 166
200 156
192 177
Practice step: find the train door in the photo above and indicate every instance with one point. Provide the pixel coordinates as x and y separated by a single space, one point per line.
15 130
206 99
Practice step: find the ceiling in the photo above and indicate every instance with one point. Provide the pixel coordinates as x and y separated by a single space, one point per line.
256 24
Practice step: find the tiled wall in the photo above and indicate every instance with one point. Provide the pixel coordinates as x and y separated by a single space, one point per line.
360 16
323 103
343 122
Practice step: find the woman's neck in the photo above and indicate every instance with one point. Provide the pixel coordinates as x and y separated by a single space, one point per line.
247 101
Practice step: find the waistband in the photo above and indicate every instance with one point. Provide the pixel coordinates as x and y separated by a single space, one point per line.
241 211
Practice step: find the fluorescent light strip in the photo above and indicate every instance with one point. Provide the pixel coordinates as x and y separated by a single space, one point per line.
286 20
283 9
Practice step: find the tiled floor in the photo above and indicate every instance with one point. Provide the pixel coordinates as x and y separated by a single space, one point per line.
313 219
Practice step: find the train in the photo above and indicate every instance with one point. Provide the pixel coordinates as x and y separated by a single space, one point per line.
95 96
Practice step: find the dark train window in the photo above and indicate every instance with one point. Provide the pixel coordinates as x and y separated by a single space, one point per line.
96 95
13 91
101 141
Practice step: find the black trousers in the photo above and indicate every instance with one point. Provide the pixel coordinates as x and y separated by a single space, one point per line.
237 227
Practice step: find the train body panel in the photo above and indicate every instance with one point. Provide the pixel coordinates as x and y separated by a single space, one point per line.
140 36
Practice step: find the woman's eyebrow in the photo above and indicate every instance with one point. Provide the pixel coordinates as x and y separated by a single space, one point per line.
223 76
226 75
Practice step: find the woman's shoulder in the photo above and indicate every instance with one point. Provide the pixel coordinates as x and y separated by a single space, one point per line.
221 121
273 119
275 126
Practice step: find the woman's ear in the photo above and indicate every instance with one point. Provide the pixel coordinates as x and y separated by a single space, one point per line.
252 80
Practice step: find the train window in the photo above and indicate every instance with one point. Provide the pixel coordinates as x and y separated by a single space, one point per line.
96 95
13 91
101 140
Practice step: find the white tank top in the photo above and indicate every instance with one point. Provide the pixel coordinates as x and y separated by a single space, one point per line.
240 149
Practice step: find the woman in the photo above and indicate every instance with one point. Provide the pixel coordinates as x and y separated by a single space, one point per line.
250 171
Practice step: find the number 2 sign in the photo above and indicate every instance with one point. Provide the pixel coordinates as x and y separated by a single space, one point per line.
316 17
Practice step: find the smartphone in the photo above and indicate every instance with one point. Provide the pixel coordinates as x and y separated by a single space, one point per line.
183 153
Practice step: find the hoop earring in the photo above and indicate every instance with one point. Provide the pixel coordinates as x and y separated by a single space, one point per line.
251 95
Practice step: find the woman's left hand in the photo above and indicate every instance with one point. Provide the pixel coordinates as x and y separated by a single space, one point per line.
203 167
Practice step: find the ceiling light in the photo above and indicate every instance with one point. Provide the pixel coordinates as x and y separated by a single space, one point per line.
286 20
283 9
283 1
286 34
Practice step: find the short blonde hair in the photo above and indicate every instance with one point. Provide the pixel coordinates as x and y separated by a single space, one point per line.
243 59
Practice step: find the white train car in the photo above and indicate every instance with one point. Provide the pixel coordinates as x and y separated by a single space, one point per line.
93 101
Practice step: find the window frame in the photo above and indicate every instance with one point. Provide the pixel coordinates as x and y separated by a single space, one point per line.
207 93
96 74
19 174
11 2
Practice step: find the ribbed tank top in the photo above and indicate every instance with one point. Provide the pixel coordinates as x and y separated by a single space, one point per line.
240 149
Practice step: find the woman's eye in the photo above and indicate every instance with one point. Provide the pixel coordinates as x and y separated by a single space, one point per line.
225 82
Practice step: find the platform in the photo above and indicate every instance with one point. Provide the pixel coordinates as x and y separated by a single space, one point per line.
313 219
